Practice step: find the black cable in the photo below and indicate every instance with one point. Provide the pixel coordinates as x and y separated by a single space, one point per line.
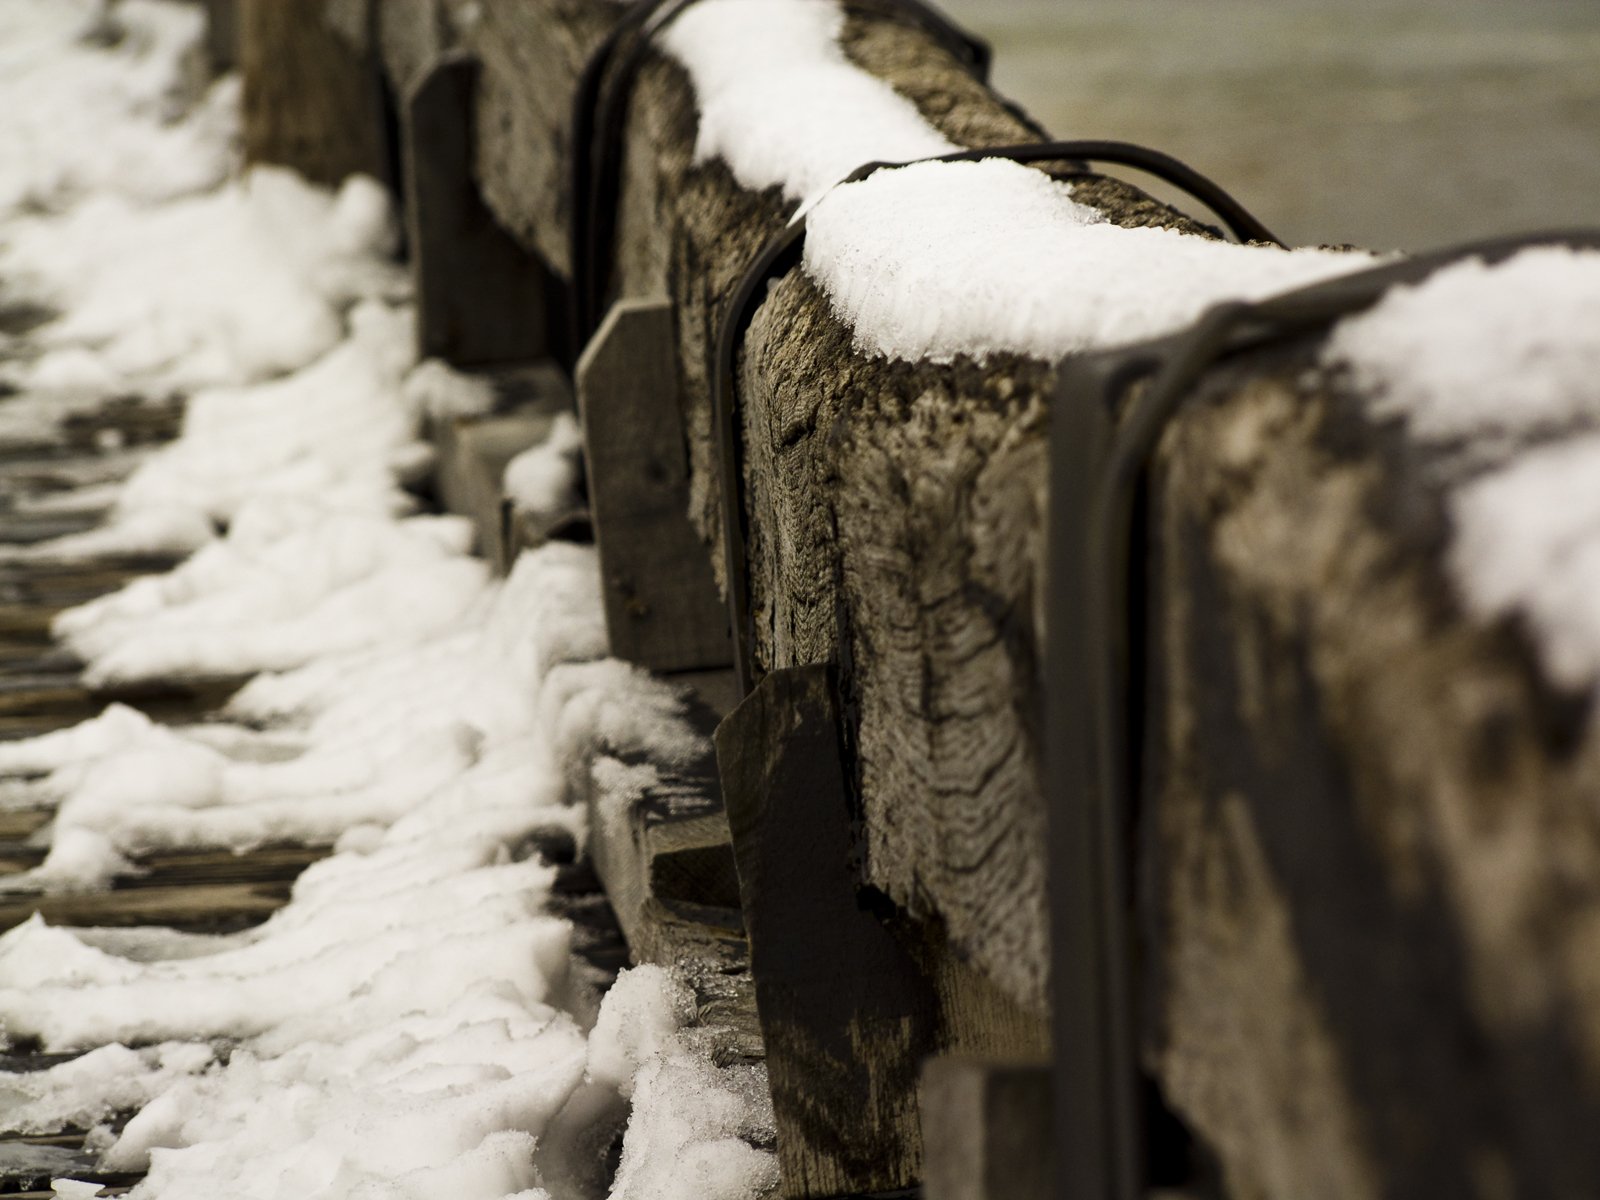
600 107
783 253
1092 764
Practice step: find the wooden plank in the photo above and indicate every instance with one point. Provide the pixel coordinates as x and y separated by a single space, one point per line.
16 825
846 1014
184 868
662 606
27 1162
667 865
987 1129
208 907
481 298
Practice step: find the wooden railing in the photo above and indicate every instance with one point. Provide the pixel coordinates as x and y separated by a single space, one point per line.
1362 877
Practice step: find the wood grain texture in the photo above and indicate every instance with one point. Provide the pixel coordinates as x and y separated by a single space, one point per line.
211 907
311 101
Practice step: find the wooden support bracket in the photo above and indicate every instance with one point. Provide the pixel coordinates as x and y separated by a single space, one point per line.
662 607
481 298
846 1015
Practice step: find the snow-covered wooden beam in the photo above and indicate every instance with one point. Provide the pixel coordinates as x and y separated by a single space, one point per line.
1369 872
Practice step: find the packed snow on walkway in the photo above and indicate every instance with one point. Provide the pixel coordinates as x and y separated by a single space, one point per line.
412 1023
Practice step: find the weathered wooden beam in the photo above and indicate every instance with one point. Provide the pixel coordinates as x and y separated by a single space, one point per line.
481 297
311 101
662 606
1342 932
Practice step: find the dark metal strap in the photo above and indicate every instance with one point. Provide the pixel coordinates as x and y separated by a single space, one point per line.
1079 152
600 107
784 252
1091 684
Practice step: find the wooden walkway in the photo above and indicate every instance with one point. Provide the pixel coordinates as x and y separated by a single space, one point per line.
41 689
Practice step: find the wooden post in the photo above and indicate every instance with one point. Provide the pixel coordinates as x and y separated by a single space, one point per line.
662 608
846 1014
481 298
987 1129
311 101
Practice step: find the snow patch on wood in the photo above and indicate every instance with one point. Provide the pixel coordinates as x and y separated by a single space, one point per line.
1501 364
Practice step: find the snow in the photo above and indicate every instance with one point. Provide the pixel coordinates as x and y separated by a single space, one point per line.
940 259
402 1024
255 602
229 286
639 1019
1478 349
441 392
1528 543
82 117
687 1139
543 479
85 1091
1502 363
779 102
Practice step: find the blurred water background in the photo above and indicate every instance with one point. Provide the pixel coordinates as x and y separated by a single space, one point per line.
1385 123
